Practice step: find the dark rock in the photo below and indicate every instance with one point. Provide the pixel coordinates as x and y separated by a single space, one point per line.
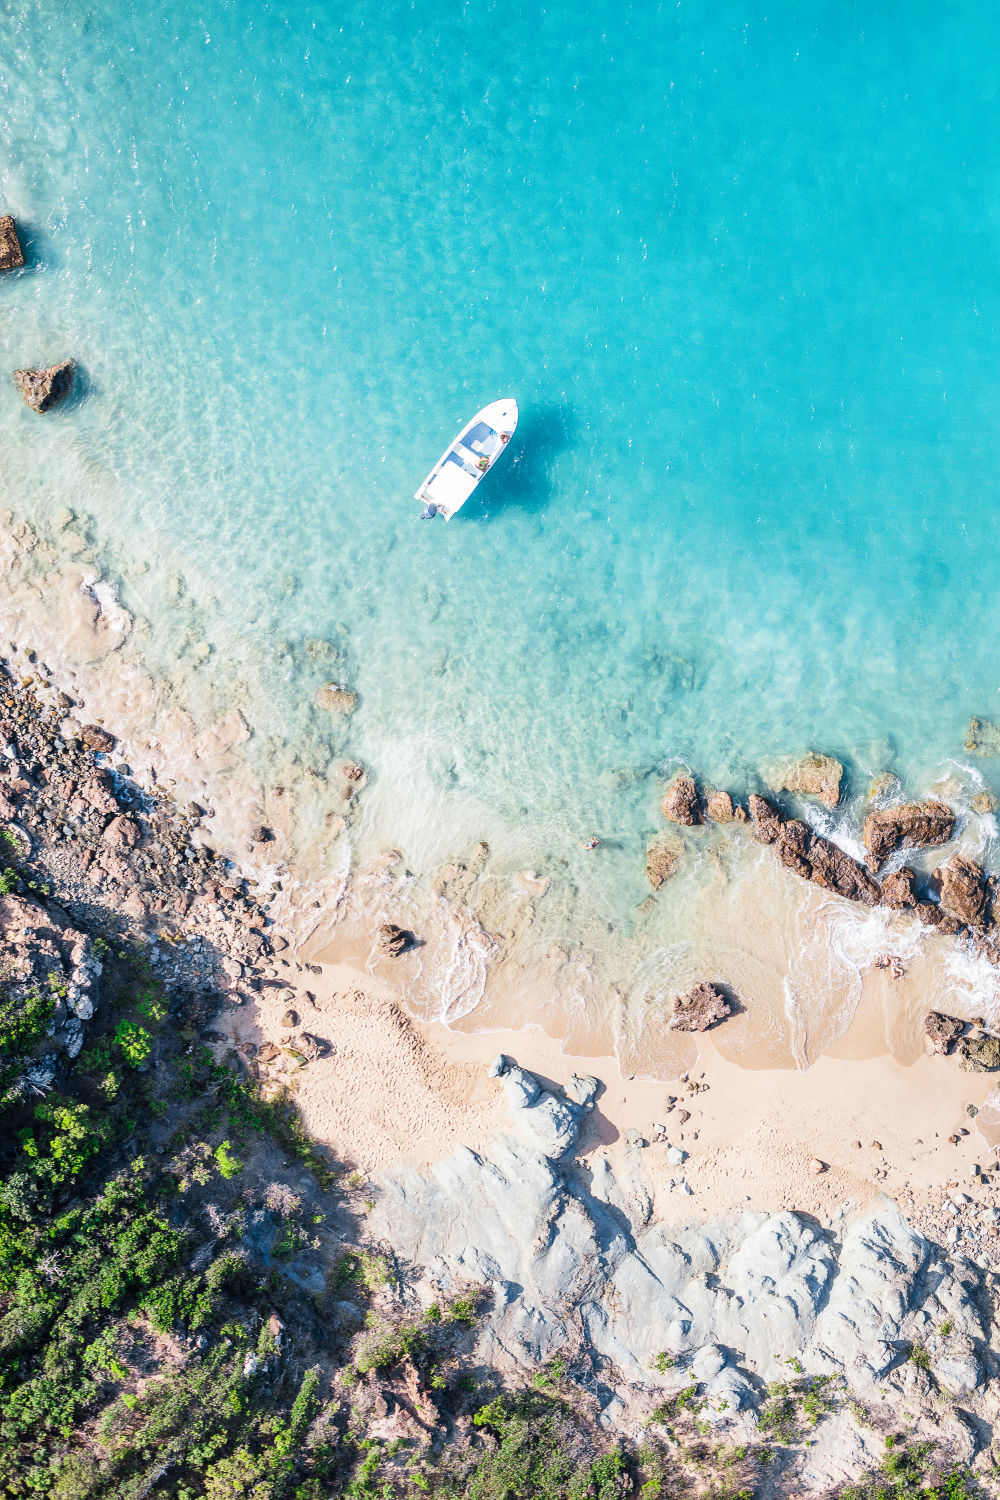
290 1018
261 835
766 819
393 940
979 1053
941 1032
740 814
908 825
719 807
97 739
899 889
963 894
680 801
43 389
11 254
699 1009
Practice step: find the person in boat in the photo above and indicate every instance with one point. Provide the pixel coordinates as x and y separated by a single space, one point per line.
505 437
483 465
429 512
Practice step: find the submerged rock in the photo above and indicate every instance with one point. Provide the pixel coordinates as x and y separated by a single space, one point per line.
11 254
663 855
810 774
336 700
908 825
963 894
941 1032
699 1008
680 801
43 389
982 737
719 807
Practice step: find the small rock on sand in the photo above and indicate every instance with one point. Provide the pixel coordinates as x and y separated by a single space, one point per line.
810 774
393 940
699 1008
680 801
817 1166
11 254
44 389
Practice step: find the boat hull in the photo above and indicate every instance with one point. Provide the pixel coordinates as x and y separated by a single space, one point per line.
467 460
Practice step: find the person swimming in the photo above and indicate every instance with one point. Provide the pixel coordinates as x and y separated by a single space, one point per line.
592 842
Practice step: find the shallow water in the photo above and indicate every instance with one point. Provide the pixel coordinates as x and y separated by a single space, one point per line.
737 264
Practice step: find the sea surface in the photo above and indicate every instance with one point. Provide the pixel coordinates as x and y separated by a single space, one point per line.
739 266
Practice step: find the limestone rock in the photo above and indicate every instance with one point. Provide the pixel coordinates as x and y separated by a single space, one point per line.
719 807
982 737
963 893
44 389
11 254
335 700
941 1032
908 825
699 1008
393 940
96 738
899 889
979 1052
811 775
680 801
663 855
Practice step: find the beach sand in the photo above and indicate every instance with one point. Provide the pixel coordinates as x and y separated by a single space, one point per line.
395 1090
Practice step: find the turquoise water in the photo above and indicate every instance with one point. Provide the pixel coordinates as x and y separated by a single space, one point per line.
739 267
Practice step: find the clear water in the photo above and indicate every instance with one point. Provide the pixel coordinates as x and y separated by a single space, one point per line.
737 263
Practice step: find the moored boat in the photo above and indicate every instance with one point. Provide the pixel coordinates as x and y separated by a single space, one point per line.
467 461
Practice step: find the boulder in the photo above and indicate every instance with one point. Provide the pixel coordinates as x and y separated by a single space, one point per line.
899 889
680 801
335 700
97 739
811 775
44 389
963 893
11 254
982 737
393 940
699 1008
663 855
908 825
719 807
979 1052
941 1032
122 832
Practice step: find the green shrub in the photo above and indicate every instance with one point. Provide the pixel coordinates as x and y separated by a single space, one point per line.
229 1166
135 1041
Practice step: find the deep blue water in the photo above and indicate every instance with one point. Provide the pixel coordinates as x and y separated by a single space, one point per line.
737 263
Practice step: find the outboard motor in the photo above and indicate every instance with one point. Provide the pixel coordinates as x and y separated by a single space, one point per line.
429 512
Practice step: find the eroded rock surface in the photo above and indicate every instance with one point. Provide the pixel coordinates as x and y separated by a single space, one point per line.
941 1032
962 891
810 855
47 963
979 1052
719 807
908 825
663 855
680 801
699 1008
899 889
44 389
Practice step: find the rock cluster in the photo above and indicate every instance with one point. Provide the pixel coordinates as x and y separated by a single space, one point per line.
699 1008
44 389
46 957
11 254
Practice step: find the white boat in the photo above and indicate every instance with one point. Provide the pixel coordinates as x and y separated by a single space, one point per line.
466 461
